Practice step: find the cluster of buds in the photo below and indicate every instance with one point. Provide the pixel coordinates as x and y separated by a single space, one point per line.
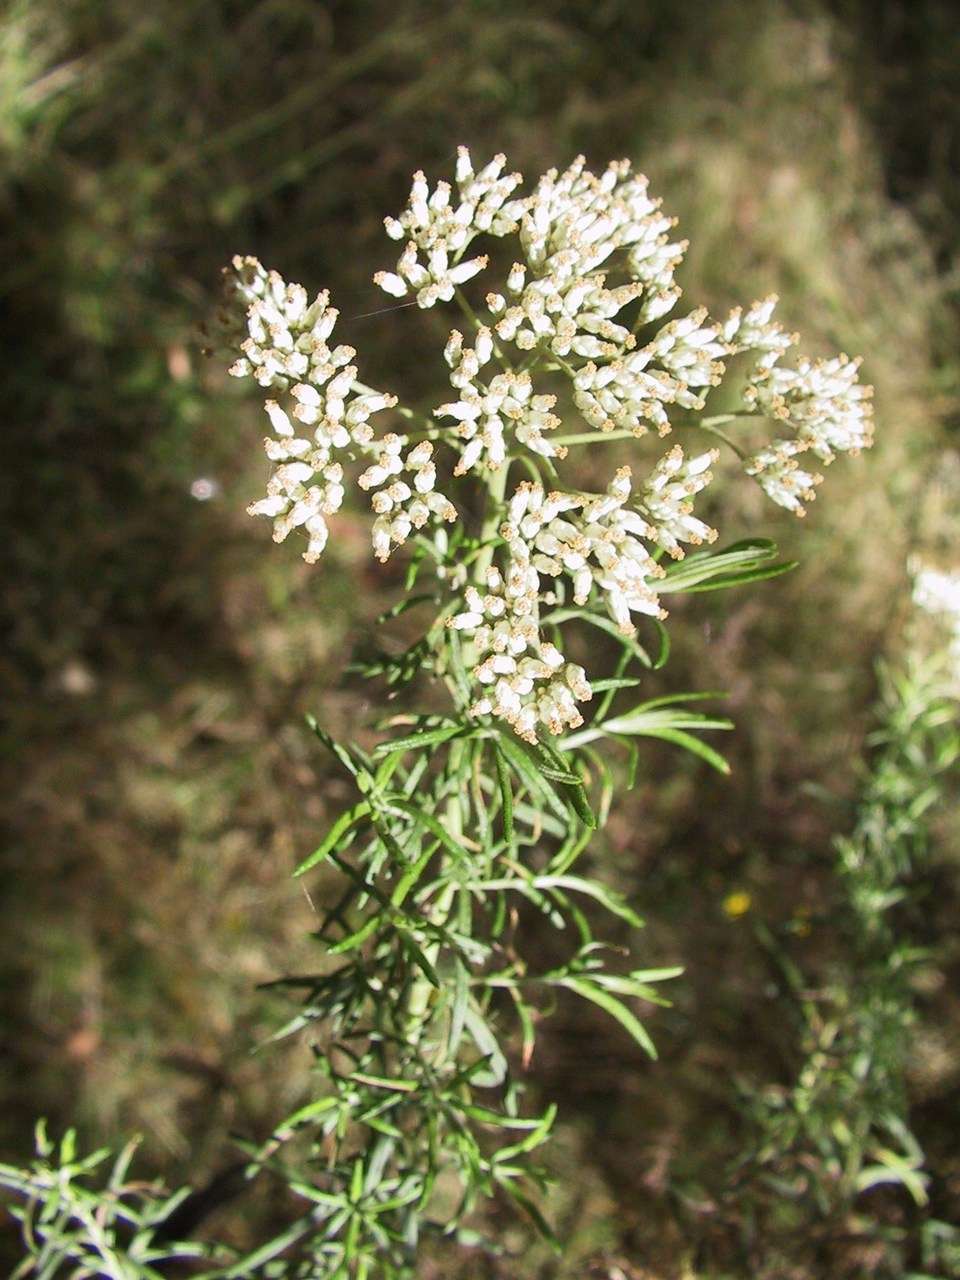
567 312
631 393
524 679
572 225
830 412
781 477
403 505
283 336
328 422
601 546
485 412
586 219
822 400
441 229
666 500
305 486
756 330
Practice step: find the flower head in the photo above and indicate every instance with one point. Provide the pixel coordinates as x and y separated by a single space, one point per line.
404 492
579 317
438 228
489 412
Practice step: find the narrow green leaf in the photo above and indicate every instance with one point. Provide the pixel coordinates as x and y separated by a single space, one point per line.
358 937
581 806
550 762
614 683
304 1115
341 753
418 741
694 745
741 562
506 792
346 822
615 1008
421 818
408 602
411 876
539 1221
538 787
385 1082
660 661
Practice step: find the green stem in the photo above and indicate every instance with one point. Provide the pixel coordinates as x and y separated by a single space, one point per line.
594 437
706 425
420 995
477 323
710 425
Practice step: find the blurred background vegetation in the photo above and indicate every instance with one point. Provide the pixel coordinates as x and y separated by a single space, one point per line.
160 653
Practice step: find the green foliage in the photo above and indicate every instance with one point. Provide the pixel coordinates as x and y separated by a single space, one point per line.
81 1217
842 1128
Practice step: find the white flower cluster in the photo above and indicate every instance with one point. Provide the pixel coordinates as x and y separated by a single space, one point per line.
484 411
596 541
306 486
937 592
781 477
630 392
823 401
829 410
286 348
568 312
401 506
666 500
575 221
571 226
285 338
434 225
600 546
524 679
594 267
756 330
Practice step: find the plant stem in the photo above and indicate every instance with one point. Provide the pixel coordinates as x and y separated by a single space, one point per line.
594 437
712 427
419 997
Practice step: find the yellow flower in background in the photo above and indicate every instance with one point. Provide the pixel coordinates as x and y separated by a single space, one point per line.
737 904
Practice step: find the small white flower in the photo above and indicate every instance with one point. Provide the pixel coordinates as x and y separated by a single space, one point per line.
780 476
286 348
756 330
438 229
524 678
573 225
665 500
284 337
632 392
823 400
593 539
301 494
487 414
400 506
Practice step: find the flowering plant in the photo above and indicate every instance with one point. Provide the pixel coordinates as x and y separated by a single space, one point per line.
465 813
